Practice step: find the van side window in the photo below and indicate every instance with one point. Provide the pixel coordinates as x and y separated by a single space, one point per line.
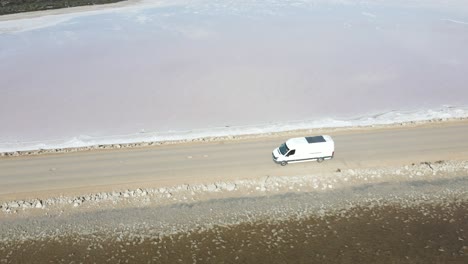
291 152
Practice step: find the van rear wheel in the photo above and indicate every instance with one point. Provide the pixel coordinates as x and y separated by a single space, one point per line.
284 163
320 160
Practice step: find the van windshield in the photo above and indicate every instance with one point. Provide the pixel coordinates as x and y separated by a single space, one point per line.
283 149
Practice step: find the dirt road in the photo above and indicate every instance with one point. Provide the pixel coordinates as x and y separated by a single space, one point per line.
168 165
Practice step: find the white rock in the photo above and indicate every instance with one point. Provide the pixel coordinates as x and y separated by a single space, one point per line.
212 187
231 186
14 205
38 204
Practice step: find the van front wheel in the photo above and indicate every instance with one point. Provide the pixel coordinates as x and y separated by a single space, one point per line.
319 160
284 163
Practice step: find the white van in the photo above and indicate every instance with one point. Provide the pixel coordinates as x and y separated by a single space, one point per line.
303 149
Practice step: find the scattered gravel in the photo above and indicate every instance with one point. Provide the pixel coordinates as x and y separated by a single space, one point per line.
425 171
342 189
110 226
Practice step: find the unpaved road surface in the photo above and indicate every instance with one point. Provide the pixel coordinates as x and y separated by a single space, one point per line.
189 163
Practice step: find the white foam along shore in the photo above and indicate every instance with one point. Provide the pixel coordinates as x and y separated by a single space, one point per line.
145 138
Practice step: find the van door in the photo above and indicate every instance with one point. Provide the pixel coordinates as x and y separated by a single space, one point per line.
291 155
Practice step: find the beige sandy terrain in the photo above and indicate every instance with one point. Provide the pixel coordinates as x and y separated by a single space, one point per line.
68 174
119 205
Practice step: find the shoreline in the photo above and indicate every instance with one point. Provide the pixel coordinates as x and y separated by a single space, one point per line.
211 167
240 137
405 227
356 215
340 211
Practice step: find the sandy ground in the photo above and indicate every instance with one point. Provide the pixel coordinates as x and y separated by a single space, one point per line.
225 201
45 176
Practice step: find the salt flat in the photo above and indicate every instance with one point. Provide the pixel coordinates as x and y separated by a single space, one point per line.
164 69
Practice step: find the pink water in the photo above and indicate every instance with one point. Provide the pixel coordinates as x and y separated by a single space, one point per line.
205 65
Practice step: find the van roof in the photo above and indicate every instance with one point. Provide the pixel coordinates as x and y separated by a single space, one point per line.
315 139
293 143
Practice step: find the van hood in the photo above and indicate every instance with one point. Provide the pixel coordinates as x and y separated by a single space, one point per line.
276 153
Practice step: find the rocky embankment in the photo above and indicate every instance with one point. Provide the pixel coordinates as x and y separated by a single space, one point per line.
413 226
340 179
418 212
